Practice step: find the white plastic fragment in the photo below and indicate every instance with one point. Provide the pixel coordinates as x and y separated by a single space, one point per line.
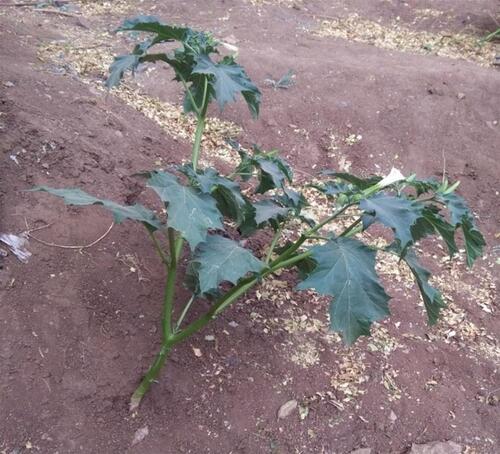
287 409
140 435
17 244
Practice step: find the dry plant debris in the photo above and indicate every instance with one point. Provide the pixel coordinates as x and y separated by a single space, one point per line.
425 13
350 376
397 37
305 353
99 7
456 326
287 3
389 382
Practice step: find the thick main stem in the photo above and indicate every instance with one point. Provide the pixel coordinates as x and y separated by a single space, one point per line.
168 304
197 142
150 376
200 127
175 243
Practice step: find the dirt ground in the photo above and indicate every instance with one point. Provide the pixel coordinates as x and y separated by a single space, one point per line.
378 83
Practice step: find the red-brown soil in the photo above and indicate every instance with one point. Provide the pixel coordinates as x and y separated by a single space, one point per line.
79 327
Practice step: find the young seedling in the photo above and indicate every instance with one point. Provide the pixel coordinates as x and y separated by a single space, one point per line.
201 204
284 82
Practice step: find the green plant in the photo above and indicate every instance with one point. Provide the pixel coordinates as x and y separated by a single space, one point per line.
284 82
490 36
204 207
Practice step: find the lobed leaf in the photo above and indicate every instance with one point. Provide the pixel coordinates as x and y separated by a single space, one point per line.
228 79
219 259
397 213
474 241
461 216
345 269
432 298
75 196
152 24
258 214
457 207
292 199
266 210
432 222
273 171
358 183
230 202
189 212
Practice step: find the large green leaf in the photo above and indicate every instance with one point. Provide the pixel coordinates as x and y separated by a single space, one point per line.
432 222
128 62
346 270
457 207
261 213
219 259
397 213
190 212
461 216
266 210
333 188
292 199
359 183
226 192
75 196
474 241
273 171
152 24
228 80
433 300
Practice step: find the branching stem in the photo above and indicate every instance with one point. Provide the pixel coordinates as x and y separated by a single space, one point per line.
174 336
351 230
200 127
184 313
276 237
159 249
189 94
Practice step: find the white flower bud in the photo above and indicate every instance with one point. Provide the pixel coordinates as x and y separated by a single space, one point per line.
393 177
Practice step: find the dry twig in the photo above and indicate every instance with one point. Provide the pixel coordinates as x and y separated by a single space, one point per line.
28 231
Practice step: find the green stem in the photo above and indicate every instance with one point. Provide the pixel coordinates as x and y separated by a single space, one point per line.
150 376
349 230
490 36
273 245
190 95
169 301
215 310
328 219
305 236
197 142
183 313
200 127
175 244
167 333
158 248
